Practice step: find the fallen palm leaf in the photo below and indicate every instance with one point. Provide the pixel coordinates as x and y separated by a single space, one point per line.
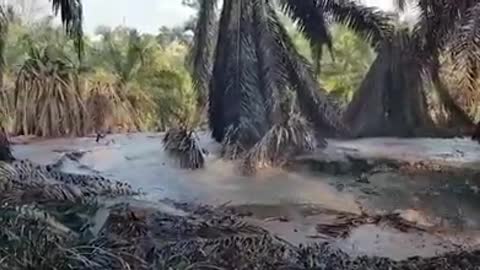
183 145
279 144
5 150
342 226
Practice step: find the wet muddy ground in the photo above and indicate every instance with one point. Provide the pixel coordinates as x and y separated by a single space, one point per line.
291 203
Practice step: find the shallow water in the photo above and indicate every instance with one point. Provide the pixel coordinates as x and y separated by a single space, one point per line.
452 204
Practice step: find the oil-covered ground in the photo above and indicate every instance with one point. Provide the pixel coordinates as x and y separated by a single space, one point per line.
441 210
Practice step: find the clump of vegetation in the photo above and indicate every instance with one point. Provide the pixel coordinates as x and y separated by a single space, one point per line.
47 100
143 76
100 106
183 145
108 111
290 137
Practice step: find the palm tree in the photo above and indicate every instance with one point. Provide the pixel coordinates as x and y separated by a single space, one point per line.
464 47
406 60
5 18
71 14
255 64
125 50
47 98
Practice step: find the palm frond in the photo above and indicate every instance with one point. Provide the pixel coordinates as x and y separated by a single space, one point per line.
4 25
464 48
313 100
71 14
47 99
202 52
311 21
28 182
401 4
134 57
183 145
370 23
236 96
281 142
438 20
34 239
272 72
5 150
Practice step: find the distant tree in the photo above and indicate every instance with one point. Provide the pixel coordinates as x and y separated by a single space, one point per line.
29 10
168 35
122 51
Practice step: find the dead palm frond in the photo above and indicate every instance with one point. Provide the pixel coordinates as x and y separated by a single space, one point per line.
7 108
183 145
34 239
343 224
47 98
127 117
100 107
464 48
5 150
232 147
30 241
284 140
25 181
4 26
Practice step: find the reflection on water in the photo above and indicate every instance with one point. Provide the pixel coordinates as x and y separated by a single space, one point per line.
140 160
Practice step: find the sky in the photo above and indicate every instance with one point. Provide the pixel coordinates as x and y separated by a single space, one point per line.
145 15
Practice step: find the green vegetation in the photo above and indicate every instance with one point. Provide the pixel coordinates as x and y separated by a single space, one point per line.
376 75
124 80
118 79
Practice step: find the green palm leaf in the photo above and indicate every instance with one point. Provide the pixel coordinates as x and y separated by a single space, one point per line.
201 57
71 14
